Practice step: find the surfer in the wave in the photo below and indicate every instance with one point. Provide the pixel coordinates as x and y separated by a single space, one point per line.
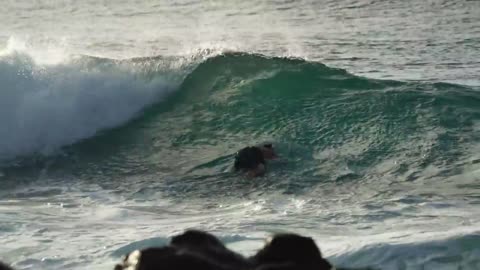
251 159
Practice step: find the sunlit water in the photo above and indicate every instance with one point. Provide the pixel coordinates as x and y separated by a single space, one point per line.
380 164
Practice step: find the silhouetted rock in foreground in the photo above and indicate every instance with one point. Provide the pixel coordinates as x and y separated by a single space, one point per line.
4 266
198 250
202 251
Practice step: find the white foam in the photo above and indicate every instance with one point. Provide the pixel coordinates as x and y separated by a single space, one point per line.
46 106
45 52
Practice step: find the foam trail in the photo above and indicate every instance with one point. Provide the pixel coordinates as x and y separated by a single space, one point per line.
45 107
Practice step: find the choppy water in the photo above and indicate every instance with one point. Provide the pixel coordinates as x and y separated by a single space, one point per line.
119 121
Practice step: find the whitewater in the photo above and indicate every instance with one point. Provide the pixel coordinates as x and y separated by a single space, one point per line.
119 122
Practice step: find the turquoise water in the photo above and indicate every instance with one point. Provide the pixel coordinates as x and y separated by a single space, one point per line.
119 122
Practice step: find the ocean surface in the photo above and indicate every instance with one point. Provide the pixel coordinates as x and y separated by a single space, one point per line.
119 121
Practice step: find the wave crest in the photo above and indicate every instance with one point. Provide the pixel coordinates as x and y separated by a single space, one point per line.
44 107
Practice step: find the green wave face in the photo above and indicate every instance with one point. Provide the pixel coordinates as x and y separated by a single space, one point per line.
323 118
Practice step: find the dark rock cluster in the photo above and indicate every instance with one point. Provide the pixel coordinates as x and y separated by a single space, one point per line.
4 266
202 251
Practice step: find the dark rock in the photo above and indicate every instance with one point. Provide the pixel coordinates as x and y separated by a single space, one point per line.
203 251
290 251
166 258
208 246
4 267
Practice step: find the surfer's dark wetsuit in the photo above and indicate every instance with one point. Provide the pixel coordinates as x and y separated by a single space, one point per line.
249 158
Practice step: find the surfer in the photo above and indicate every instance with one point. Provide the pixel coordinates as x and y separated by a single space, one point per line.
251 159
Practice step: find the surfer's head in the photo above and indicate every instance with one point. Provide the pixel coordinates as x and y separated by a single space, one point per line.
249 158
268 151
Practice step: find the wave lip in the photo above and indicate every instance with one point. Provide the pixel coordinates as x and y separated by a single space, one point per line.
45 107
